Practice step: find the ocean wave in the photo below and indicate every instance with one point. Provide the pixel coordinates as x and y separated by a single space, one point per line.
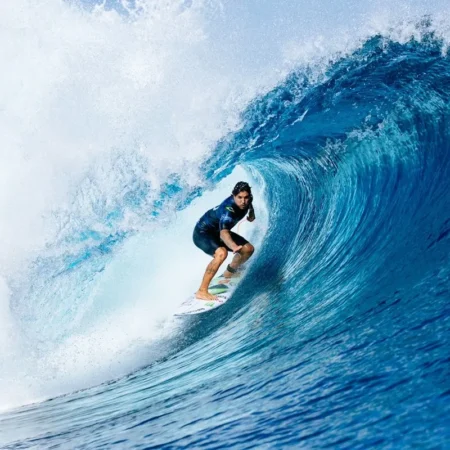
341 323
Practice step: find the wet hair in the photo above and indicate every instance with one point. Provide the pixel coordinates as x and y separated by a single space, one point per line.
242 186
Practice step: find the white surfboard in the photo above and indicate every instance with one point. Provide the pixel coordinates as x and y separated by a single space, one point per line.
220 286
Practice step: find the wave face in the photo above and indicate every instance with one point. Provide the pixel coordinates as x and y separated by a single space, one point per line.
338 335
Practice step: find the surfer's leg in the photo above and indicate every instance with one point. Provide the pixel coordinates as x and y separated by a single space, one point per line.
239 258
220 255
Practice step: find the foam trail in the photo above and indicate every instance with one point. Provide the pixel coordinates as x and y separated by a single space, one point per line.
129 317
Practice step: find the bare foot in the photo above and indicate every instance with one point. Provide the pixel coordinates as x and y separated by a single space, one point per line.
201 295
227 274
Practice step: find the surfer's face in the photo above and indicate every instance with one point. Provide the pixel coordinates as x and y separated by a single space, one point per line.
242 199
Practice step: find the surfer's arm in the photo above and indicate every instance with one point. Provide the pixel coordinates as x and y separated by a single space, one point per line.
251 214
228 240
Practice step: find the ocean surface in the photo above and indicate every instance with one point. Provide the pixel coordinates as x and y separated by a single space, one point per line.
120 128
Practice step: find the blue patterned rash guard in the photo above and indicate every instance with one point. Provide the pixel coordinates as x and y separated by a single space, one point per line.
222 217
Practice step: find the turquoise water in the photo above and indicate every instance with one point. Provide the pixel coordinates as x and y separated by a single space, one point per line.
338 335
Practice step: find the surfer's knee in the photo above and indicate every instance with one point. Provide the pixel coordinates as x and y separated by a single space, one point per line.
221 254
248 249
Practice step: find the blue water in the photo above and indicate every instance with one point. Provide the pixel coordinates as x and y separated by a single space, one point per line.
339 335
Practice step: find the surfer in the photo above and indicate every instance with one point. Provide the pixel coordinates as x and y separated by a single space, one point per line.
213 235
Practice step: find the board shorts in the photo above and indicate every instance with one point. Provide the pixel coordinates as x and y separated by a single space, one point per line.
210 242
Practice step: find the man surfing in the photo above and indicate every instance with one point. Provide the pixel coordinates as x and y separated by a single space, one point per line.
213 235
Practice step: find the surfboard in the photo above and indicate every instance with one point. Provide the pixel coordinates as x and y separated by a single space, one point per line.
220 286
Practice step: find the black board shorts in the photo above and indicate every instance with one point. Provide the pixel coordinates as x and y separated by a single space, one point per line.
209 242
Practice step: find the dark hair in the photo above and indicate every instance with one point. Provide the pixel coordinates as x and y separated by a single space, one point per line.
242 186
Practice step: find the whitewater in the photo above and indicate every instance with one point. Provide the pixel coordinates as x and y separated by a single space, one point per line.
123 122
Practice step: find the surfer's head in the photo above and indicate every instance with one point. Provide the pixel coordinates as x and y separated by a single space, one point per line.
242 194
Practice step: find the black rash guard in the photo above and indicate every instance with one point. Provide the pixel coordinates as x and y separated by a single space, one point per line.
222 217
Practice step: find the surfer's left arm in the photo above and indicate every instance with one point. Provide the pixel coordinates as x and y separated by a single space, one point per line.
251 214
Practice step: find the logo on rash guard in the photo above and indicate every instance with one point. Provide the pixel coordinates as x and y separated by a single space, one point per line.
230 208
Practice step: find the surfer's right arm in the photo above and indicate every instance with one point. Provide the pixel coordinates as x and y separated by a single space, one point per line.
228 240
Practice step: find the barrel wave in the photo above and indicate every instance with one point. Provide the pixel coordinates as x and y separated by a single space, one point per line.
338 335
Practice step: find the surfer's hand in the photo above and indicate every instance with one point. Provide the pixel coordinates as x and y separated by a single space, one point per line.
251 214
237 249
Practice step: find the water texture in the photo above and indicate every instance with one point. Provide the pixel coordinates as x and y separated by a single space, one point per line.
339 334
